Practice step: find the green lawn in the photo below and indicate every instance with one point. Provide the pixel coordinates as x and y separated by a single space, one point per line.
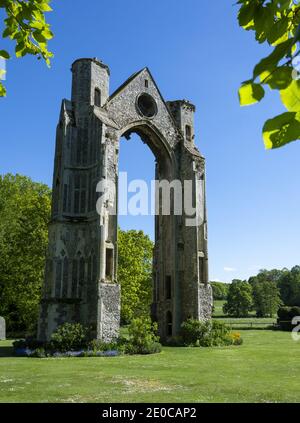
218 308
265 368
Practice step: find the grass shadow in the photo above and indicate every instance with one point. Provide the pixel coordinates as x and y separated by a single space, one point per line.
252 328
6 351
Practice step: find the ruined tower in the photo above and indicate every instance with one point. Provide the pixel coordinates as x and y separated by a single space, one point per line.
81 283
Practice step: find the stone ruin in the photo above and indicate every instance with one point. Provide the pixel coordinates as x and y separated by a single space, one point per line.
81 280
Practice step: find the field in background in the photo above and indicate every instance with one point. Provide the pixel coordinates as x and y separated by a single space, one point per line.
249 322
264 369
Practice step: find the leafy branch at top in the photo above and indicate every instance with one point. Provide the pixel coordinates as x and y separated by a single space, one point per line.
276 22
25 24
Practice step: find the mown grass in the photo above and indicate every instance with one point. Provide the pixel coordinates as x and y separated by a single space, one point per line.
264 369
218 308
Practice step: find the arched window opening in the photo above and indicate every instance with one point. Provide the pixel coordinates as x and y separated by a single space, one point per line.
109 263
188 132
202 269
97 97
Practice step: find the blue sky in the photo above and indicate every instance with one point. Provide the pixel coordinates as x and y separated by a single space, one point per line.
196 51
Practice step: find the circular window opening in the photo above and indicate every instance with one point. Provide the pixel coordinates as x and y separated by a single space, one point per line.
147 105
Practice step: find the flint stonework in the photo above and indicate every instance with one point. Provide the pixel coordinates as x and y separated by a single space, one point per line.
2 329
81 283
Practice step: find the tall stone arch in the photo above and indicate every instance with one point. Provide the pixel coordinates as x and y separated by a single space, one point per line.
87 155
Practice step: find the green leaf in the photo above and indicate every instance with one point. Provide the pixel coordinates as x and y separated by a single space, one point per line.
263 21
250 93
270 62
284 4
278 30
8 31
4 54
19 48
2 90
44 7
37 25
291 96
39 37
47 34
246 14
279 79
281 130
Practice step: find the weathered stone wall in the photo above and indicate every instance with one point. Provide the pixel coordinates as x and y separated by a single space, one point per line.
122 108
2 329
205 301
54 313
109 311
89 74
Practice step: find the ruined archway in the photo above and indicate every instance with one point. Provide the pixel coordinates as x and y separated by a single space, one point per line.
86 158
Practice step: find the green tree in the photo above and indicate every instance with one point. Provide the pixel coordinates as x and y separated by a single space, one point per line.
239 300
289 285
266 298
276 23
135 252
220 290
26 26
24 216
273 275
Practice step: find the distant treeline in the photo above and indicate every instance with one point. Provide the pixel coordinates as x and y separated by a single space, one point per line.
220 290
264 293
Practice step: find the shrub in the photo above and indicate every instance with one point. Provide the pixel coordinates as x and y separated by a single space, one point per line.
285 317
30 343
218 334
38 353
69 337
208 334
142 337
295 311
235 338
21 343
99 345
70 340
284 313
193 330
